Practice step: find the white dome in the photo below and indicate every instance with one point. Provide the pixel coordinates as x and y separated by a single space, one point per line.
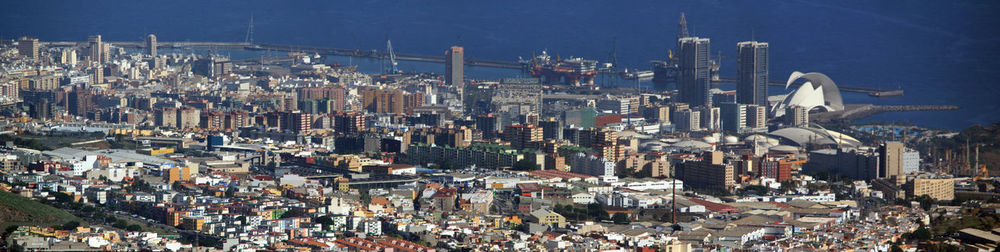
784 149
691 144
761 139
710 139
731 140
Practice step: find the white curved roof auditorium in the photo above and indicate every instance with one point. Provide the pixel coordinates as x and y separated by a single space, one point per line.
818 91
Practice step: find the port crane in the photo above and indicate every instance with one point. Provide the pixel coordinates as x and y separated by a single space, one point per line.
249 38
393 65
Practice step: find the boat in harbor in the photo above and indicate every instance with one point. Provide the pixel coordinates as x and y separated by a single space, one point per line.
633 75
886 93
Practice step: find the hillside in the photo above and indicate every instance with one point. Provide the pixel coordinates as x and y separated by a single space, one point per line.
17 210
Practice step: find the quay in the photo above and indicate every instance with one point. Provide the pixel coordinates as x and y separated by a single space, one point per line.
376 54
853 112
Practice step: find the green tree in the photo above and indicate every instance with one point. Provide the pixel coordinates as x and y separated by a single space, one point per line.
896 248
326 221
620 218
62 197
71 225
120 224
925 201
921 234
525 165
596 211
133 228
10 229
787 185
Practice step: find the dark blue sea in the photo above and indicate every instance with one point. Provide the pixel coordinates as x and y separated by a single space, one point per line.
939 52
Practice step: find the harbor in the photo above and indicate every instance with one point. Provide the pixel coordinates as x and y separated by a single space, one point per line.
377 54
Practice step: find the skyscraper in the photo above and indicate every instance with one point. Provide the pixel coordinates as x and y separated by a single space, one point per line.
891 159
151 45
694 78
453 66
752 73
28 47
96 48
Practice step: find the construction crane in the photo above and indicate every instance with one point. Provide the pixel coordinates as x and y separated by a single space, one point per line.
393 66
718 61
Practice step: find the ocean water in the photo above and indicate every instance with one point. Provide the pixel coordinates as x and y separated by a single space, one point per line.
939 52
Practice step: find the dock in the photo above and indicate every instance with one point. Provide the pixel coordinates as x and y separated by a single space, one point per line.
853 112
854 89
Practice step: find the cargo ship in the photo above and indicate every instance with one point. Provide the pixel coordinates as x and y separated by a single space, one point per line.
570 71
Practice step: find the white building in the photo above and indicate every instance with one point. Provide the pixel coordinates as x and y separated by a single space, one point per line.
583 198
650 184
591 165
911 161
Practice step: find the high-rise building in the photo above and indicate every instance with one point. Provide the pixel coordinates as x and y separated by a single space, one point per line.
97 75
687 120
694 75
911 161
710 118
96 48
523 136
656 113
44 82
454 61
79 101
488 124
709 173
891 159
151 45
591 165
393 101
942 189
68 57
40 109
349 123
28 47
188 117
105 52
551 128
797 116
734 117
752 73
166 117
296 121
756 116
778 170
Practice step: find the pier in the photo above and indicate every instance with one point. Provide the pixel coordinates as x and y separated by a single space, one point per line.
853 112
854 89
